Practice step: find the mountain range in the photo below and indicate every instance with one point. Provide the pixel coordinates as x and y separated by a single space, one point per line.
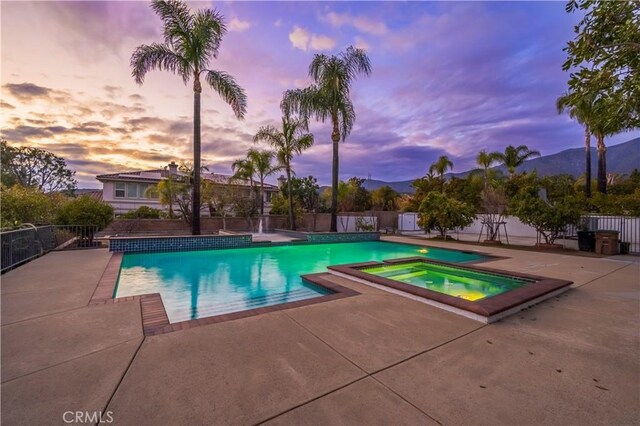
622 158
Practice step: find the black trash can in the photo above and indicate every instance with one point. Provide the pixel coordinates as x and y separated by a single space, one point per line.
624 247
586 240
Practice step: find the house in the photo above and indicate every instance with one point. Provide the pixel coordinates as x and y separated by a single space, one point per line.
127 191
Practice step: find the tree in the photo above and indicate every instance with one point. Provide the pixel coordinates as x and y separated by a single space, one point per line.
26 205
439 212
329 98
167 191
580 108
485 160
291 140
549 218
494 204
191 40
35 168
257 164
604 56
513 157
88 212
385 198
262 165
441 166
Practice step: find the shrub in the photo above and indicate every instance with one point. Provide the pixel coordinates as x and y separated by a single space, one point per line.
27 205
550 219
143 212
439 212
85 210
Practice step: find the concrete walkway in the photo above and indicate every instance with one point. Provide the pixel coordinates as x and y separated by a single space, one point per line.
376 358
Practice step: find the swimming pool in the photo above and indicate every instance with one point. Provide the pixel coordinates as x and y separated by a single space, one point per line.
198 284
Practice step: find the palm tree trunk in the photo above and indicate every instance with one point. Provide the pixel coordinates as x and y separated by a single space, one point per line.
602 165
195 203
486 179
261 196
587 175
292 217
335 137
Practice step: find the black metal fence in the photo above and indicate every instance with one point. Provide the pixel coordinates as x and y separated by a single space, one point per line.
628 228
28 242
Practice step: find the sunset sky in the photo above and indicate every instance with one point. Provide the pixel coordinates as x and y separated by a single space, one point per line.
448 78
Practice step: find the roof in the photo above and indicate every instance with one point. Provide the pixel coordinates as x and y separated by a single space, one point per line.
156 175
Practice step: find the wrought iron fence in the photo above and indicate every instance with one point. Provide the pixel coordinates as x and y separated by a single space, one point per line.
628 228
28 242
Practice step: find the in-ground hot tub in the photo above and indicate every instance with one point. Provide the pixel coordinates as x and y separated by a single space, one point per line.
483 294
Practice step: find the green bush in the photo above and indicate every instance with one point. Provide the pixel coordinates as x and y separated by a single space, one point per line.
85 210
440 212
26 205
143 212
550 219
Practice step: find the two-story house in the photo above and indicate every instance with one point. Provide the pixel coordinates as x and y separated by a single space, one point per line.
127 191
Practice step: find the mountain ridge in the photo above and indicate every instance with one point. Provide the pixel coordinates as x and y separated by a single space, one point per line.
621 158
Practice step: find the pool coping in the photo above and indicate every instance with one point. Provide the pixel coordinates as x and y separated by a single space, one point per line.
490 308
154 315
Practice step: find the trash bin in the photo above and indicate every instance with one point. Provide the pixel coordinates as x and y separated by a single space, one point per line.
607 242
586 240
624 247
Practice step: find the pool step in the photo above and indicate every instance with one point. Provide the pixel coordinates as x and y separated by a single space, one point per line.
401 277
256 302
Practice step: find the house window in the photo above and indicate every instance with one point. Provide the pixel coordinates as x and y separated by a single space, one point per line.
120 192
132 190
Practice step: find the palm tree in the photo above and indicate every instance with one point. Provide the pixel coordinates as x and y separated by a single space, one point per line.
289 141
191 39
580 109
166 191
513 157
329 98
244 169
258 164
485 160
441 166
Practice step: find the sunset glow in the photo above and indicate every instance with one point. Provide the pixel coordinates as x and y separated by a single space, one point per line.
448 78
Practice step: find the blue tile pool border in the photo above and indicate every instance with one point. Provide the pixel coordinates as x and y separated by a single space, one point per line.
178 243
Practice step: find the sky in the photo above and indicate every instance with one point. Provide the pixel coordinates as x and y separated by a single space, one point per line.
449 78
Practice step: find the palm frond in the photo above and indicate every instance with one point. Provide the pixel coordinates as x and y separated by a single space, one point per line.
303 143
269 134
148 57
229 90
178 22
346 118
356 61
208 29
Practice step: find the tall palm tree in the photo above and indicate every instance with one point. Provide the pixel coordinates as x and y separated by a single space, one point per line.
581 109
485 160
442 166
513 157
289 141
191 39
329 98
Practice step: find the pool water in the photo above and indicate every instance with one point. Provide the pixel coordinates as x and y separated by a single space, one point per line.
198 284
456 282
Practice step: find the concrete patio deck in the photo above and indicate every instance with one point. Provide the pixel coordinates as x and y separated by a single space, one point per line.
375 358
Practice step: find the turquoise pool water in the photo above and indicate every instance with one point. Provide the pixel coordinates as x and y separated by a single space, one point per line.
456 282
198 284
